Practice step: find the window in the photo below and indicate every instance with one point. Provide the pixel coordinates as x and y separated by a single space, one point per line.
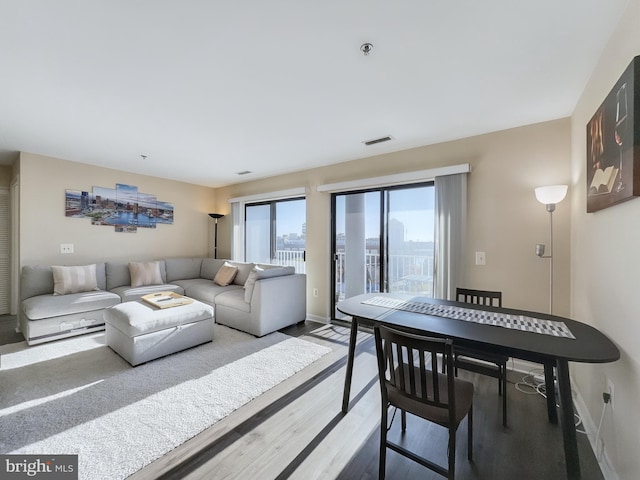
275 232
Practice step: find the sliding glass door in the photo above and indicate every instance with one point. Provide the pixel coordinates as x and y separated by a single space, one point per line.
275 232
383 241
356 244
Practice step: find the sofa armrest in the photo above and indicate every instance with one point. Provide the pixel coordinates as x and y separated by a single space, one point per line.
279 301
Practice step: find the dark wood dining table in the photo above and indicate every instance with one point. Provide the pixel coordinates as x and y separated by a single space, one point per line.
553 352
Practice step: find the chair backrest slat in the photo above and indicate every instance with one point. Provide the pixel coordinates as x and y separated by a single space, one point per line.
424 371
479 297
400 361
412 371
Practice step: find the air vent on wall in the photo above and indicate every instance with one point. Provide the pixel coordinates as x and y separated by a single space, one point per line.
244 172
377 140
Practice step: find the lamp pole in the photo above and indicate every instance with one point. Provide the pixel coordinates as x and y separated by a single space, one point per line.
540 252
215 216
550 196
550 208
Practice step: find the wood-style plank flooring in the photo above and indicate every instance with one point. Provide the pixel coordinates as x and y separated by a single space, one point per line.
8 332
296 430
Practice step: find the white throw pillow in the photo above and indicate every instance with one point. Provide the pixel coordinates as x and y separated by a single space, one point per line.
74 279
145 273
250 284
259 273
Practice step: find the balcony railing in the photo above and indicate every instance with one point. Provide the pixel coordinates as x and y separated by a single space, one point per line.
291 258
405 273
411 274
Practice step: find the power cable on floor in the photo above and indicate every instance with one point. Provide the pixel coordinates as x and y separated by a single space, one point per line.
533 384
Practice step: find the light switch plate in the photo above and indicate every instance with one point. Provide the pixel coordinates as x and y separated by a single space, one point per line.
481 258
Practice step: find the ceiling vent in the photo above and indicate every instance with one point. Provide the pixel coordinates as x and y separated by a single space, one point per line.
377 140
244 172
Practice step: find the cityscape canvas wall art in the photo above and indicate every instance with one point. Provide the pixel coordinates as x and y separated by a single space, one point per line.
123 208
613 143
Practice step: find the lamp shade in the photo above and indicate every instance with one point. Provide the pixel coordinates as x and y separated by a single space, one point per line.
216 215
552 194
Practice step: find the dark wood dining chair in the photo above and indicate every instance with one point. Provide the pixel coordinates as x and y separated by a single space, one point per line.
410 382
480 361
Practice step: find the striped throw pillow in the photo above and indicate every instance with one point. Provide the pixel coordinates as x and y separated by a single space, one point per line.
145 273
74 279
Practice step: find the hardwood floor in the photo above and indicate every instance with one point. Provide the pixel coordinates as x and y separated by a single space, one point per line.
8 332
296 430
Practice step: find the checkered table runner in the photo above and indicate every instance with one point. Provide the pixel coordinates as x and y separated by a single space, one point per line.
504 320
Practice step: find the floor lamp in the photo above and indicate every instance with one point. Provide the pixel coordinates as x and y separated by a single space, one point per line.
550 196
215 216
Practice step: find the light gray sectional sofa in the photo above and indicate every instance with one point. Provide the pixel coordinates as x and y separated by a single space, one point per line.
260 300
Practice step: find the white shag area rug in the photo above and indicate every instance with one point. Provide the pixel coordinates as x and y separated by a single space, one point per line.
77 396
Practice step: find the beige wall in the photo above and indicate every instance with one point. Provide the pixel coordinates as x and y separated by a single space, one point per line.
604 268
43 225
505 220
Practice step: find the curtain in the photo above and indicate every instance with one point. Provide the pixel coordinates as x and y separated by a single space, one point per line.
237 237
451 220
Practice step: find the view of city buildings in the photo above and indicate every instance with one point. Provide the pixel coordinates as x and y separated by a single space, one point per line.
290 248
403 263
408 269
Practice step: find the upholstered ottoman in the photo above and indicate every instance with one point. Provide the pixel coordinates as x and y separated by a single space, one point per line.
139 332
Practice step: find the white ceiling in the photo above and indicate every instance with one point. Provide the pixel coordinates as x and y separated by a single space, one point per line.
207 89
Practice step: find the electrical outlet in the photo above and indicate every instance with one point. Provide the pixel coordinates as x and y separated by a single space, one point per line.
315 292
481 258
66 248
610 390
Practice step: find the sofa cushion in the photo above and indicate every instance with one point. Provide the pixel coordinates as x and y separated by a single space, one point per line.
129 294
233 299
210 267
38 280
182 268
46 306
75 279
225 275
145 273
244 269
35 280
264 271
118 275
203 289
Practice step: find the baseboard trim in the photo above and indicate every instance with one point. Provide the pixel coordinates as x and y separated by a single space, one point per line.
591 429
317 318
589 426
